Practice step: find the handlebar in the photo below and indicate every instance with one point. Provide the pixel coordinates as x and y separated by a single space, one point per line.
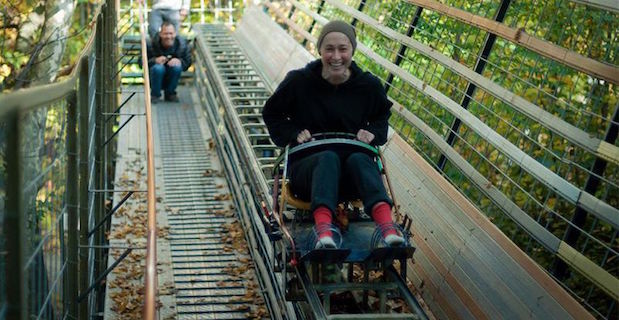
325 141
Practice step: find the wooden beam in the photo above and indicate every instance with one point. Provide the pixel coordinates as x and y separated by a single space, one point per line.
574 258
290 23
610 5
593 272
572 59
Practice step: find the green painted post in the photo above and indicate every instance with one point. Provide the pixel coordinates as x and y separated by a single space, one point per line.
84 129
71 190
98 134
15 225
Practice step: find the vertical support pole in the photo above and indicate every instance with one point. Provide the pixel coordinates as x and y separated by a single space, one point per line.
402 49
15 225
71 190
311 28
360 9
84 129
291 12
593 182
99 197
230 11
480 65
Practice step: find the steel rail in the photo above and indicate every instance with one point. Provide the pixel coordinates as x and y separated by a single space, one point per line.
150 274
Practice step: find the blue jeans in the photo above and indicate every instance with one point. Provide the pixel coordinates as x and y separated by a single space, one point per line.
328 177
164 77
156 18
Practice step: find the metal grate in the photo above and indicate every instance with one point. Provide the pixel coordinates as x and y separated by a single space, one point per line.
204 289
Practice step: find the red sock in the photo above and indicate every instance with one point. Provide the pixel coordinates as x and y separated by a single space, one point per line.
323 219
381 214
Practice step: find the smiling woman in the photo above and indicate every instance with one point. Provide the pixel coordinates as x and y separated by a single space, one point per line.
336 45
334 95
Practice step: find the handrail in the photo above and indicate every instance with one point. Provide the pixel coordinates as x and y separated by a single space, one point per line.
570 58
48 93
600 4
150 275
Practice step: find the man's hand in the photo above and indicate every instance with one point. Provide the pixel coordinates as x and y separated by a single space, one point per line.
183 13
304 136
365 136
161 60
174 62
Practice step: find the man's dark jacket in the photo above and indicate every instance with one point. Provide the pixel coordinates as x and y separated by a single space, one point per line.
179 50
304 100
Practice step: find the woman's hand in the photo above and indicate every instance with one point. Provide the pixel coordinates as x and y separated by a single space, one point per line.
304 136
365 136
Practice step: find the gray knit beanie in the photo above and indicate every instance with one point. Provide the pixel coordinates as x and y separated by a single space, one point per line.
338 26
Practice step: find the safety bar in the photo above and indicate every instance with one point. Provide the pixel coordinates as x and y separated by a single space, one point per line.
150 274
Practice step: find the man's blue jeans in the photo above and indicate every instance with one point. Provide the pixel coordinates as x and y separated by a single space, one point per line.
164 77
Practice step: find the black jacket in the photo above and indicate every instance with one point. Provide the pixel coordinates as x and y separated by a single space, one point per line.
304 100
179 50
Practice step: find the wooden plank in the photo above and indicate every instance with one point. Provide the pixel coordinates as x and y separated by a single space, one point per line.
280 14
610 5
435 288
468 247
592 271
542 235
436 245
556 124
532 269
577 61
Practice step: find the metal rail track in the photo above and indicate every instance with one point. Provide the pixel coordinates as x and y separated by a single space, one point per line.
232 93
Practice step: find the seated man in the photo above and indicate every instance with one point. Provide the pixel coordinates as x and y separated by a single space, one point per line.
168 56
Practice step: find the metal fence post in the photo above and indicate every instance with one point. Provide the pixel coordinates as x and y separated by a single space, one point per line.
402 50
84 111
99 197
15 224
480 65
71 191
311 27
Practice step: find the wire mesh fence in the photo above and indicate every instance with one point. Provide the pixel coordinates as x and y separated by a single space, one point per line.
39 179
